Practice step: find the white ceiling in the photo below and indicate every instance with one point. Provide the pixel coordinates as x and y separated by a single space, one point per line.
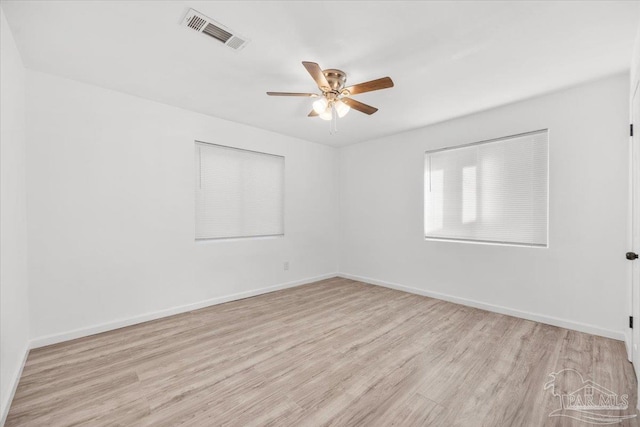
447 59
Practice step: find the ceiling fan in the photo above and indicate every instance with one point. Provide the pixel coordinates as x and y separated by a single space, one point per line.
335 99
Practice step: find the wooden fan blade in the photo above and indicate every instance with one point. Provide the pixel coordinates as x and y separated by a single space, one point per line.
317 74
357 105
312 114
377 84
310 95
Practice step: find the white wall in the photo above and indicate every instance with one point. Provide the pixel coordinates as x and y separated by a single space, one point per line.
111 211
14 313
635 60
580 281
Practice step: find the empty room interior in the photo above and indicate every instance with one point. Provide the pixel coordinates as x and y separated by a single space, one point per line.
319 213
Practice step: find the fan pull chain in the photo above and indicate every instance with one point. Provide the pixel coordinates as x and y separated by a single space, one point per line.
333 124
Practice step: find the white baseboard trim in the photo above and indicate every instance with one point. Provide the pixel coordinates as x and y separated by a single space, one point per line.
14 386
121 323
549 320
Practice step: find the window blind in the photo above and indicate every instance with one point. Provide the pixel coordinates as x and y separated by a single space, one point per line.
492 191
239 193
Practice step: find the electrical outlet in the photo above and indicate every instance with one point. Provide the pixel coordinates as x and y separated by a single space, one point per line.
286 265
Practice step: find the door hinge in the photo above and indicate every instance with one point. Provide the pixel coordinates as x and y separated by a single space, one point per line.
631 129
631 322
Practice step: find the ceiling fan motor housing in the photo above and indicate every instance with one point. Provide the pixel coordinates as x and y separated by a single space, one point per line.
336 79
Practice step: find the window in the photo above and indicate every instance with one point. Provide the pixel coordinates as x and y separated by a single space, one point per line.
239 193
491 191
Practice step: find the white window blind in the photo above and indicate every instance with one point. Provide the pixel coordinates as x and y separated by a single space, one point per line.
239 193
492 191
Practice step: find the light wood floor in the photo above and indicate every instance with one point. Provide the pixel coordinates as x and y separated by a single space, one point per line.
335 352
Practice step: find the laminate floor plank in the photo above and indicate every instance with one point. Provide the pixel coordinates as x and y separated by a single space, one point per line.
333 353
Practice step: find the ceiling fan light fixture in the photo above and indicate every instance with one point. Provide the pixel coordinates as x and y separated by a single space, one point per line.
326 114
341 108
320 106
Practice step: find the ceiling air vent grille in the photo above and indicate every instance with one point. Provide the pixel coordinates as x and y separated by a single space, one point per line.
205 25
217 33
236 42
196 23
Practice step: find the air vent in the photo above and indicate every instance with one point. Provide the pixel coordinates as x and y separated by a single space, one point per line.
217 33
207 26
196 23
236 42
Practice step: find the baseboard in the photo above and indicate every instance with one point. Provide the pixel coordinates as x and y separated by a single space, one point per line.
121 323
14 386
549 320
